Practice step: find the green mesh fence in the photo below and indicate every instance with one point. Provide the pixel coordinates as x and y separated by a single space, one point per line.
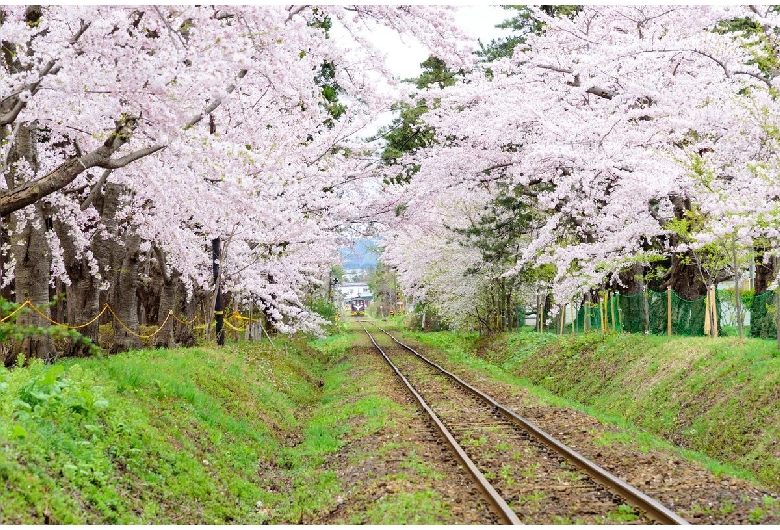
687 316
650 312
762 316
632 312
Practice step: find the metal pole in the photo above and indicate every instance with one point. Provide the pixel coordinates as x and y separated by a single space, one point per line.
219 313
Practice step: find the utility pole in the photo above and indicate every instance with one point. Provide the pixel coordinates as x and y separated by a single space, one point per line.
219 313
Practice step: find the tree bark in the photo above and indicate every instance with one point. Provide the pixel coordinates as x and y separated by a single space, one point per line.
167 301
124 294
30 250
83 293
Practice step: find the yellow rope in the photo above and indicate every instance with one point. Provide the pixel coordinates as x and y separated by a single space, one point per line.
133 333
44 315
231 326
15 311
108 308
186 323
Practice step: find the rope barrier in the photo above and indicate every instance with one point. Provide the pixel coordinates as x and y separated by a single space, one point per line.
231 326
107 307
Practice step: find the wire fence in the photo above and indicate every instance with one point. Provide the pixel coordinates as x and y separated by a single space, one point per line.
667 313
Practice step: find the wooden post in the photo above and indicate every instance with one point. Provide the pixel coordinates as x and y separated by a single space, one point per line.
777 314
612 312
669 310
563 318
573 318
586 318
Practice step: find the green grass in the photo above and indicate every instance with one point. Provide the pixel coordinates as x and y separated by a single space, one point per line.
418 507
717 398
162 436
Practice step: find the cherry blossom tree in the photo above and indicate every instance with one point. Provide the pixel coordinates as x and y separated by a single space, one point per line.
141 133
613 123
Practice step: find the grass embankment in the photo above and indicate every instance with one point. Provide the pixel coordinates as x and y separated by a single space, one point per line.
199 435
718 397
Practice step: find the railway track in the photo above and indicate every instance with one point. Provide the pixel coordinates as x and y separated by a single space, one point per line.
527 475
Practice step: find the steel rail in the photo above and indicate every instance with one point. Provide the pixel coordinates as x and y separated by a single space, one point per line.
653 508
504 511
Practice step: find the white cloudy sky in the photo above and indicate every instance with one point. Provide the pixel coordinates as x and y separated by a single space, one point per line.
404 56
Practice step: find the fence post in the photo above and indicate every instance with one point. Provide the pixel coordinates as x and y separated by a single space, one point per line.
647 310
218 308
612 311
573 318
669 310
586 318
563 318
777 315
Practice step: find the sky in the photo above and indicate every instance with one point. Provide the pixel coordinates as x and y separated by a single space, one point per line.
403 59
404 56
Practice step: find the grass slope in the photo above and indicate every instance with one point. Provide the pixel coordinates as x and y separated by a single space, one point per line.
242 434
719 397
163 436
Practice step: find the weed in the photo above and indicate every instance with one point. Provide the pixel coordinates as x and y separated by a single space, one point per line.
623 514
419 507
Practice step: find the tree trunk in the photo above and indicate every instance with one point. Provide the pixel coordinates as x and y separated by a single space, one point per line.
31 252
83 293
31 280
765 272
124 295
169 284
684 275
737 287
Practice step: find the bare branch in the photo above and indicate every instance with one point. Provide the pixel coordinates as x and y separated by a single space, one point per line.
171 33
214 104
132 157
294 10
51 68
93 193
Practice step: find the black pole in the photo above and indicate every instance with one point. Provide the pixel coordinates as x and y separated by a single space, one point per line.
218 309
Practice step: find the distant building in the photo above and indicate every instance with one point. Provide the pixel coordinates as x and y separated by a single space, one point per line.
355 291
354 275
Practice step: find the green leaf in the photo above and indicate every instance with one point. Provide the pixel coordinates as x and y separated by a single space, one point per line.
18 432
19 404
51 376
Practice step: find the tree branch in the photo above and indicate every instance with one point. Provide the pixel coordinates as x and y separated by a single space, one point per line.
93 193
132 157
214 104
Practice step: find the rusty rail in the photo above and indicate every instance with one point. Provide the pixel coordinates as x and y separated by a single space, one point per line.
499 504
653 508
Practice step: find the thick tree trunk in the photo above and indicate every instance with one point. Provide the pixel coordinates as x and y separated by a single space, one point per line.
124 294
168 286
630 280
30 250
83 293
765 272
684 275
31 280
185 309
